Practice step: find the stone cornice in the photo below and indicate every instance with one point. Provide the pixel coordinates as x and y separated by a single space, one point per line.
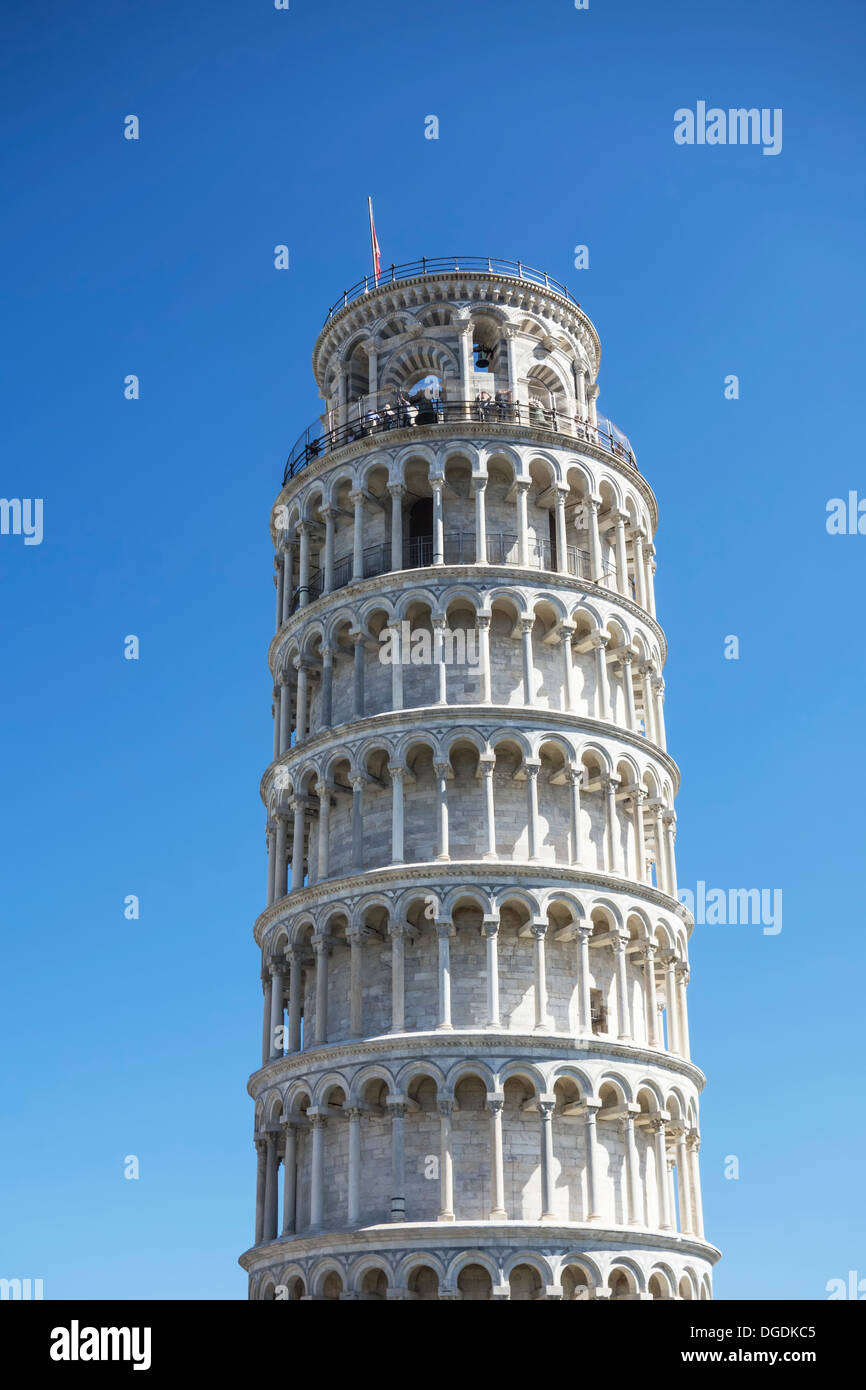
465 871
427 716
552 1047
493 576
575 1237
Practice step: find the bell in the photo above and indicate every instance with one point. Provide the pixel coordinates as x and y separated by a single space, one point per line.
482 361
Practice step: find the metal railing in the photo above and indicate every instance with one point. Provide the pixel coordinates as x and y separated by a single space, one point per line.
459 549
409 270
316 441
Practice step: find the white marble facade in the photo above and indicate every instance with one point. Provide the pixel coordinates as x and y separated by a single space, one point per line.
476 1079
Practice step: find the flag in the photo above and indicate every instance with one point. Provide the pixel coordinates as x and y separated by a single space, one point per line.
374 244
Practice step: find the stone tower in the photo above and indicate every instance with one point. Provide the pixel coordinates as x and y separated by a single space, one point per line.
476 1080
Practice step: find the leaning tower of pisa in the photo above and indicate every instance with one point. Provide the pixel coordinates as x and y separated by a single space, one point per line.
475 1078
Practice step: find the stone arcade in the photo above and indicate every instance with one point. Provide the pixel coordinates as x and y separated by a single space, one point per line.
476 1080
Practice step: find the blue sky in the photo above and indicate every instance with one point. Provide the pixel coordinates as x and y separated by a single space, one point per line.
155 257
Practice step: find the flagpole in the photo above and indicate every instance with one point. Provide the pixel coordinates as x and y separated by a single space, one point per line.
373 241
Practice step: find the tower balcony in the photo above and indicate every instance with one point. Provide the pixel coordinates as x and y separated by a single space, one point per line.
381 413
493 266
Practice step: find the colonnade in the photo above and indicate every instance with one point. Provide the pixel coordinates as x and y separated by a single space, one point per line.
675 1143
620 552
292 699
652 823
663 998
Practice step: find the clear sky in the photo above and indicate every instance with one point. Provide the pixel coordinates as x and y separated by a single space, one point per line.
156 257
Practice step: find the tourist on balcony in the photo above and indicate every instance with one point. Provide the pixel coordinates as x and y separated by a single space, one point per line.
483 400
388 417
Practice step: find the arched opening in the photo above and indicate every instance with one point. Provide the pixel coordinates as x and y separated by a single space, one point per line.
374 1286
525 1283
423 1284
474 1282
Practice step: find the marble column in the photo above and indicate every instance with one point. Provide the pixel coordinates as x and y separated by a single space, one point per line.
636 801
495 1105
632 1168
397 772
526 626
602 687
261 1165
645 670
483 624
396 490
669 961
323 791
277 985
593 1193
298 805
566 632
288 549
357 675
397 932
358 823
437 485
330 514
490 932
657 1128
353 1212
546 1108
522 487
561 543
442 770
441 684
574 776
398 1160
487 768
621 555
327 701
639 571
318 1120
446 1162
682 974
532 770
304 564
626 659
296 991
356 937
301 699
620 942
479 483
614 859
539 976
693 1144
584 932
271 1191
290 1167
321 947
285 714
670 821
595 560
443 934
358 536
649 961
